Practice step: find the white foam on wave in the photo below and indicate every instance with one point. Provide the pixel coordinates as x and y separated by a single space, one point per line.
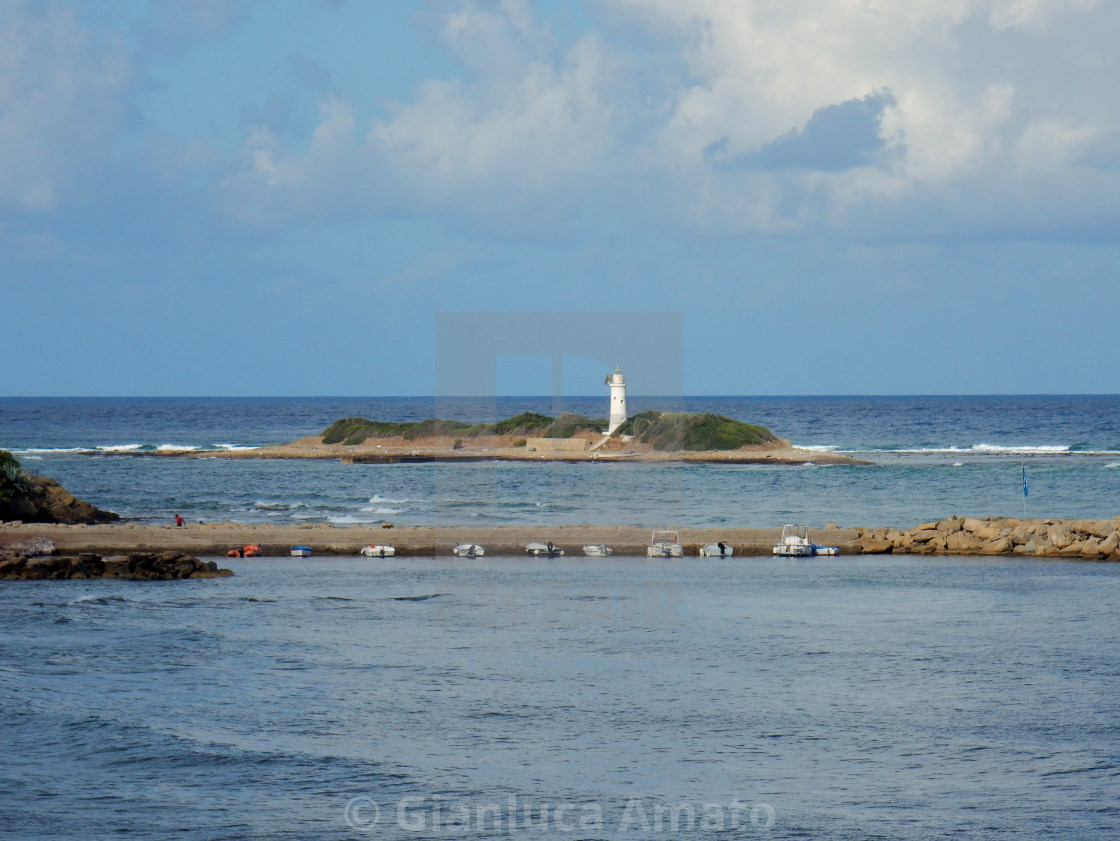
47 450
349 520
818 448
233 447
987 449
371 509
958 464
119 448
1112 466
98 599
174 448
378 499
277 505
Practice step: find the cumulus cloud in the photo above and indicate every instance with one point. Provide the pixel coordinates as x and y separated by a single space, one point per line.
526 120
760 117
61 102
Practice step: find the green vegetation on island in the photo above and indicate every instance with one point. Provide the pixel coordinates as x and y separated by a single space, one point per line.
12 477
354 431
662 430
685 431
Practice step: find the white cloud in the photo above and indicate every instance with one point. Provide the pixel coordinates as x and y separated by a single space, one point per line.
60 105
980 104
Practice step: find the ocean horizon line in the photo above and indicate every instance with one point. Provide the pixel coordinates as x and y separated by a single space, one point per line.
634 395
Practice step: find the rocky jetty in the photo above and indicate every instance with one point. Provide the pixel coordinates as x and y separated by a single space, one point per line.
1095 540
20 565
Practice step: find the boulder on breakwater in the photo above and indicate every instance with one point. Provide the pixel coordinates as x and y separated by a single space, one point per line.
1094 540
139 566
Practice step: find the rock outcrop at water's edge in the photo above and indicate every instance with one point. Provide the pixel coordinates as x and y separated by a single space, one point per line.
138 566
1095 540
38 499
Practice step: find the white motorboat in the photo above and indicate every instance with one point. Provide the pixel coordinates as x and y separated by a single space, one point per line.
717 550
301 551
597 550
664 544
795 543
378 550
543 550
468 550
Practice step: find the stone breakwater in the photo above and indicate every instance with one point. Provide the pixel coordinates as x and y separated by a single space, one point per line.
1093 540
1049 538
137 566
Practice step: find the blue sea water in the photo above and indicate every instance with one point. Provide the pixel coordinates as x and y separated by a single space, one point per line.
843 698
931 457
847 698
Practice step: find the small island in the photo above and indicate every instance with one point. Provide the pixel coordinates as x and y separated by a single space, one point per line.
650 436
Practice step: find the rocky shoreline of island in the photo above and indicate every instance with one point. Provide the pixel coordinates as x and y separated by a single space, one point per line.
1091 540
400 451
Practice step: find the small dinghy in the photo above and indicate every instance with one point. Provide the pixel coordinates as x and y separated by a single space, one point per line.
301 551
378 550
717 550
468 550
597 550
543 550
664 544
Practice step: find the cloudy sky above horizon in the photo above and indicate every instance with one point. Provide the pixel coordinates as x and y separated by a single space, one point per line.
239 197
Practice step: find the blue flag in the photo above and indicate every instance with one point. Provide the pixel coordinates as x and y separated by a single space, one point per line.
1026 489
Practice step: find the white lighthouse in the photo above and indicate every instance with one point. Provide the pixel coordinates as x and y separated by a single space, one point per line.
617 382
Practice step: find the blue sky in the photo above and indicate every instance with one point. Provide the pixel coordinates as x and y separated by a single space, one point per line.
239 197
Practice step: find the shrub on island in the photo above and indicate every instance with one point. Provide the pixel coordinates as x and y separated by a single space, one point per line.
12 477
685 431
353 431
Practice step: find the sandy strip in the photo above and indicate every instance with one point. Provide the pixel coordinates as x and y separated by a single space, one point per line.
218 538
498 448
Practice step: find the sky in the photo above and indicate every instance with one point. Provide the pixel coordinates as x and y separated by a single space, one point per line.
240 197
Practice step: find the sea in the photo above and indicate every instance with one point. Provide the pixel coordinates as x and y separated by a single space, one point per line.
929 458
846 698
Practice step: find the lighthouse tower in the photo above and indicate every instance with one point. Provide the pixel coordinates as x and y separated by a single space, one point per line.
617 382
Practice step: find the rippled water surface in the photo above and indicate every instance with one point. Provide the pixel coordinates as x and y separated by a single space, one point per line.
846 698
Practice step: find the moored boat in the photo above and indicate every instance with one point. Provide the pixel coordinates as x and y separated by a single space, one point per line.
468 550
378 550
597 550
664 544
795 543
301 551
543 550
717 550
